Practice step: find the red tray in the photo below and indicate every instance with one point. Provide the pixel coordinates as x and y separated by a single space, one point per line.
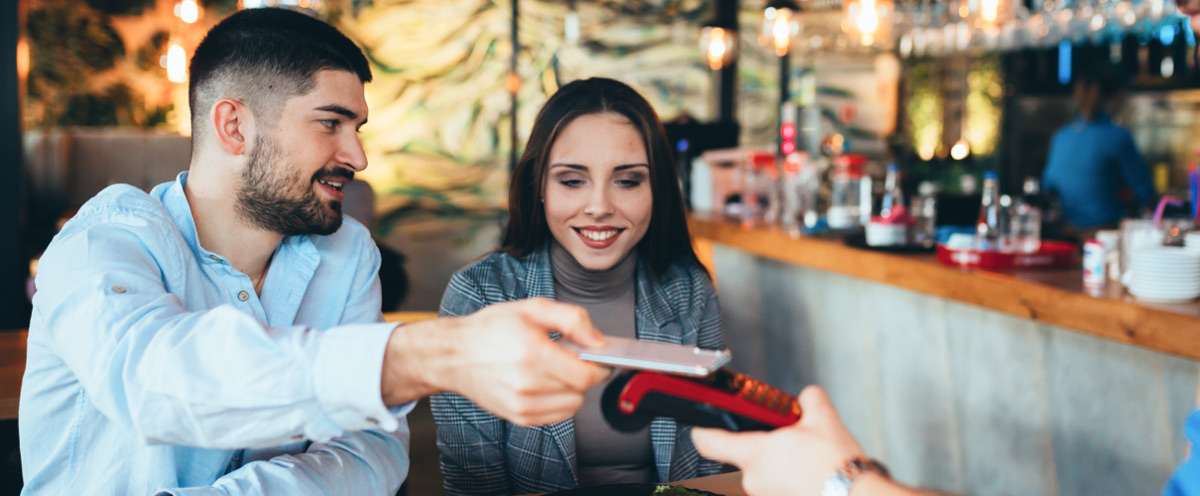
1051 254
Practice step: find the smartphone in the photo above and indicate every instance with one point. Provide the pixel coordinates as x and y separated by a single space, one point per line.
629 353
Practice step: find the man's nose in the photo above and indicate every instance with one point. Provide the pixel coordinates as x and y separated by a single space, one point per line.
352 154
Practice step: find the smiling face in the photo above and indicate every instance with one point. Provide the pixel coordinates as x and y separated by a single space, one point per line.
295 172
597 193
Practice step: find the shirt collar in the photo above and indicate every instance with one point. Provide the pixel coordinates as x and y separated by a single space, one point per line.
1100 117
175 201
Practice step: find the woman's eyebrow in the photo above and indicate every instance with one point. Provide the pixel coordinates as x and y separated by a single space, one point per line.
585 169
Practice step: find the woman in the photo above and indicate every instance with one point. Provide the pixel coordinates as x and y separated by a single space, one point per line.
595 219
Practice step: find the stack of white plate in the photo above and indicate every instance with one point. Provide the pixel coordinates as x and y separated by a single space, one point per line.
1192 240
1165 274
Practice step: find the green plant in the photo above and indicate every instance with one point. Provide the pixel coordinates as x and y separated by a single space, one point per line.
80 73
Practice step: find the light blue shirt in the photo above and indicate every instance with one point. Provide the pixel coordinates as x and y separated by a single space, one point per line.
154 368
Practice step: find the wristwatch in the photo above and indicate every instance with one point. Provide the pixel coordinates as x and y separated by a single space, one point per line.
842 479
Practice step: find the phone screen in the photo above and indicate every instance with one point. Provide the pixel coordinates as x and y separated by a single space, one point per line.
627 353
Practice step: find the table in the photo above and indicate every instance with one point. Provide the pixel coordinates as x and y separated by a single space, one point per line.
12 368
729 484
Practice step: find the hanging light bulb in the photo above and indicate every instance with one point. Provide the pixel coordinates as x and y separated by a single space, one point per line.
23 58
867 21
176 63
187 11
719 45
989 11
960 150
781 25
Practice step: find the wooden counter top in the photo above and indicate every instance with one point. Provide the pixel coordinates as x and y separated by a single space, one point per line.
727 484
1055 297
12 369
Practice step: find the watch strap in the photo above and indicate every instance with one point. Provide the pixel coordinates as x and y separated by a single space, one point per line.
842 480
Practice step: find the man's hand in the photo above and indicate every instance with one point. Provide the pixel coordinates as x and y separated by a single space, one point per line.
500 357
789 461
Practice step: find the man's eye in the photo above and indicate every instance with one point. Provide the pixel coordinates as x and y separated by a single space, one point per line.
330 123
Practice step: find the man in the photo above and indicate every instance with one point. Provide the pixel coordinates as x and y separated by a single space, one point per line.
1094 166
222 335
819 456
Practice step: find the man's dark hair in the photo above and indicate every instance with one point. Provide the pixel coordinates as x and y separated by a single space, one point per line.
261 57
1110 79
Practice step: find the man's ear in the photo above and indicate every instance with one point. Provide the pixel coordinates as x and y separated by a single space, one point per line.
232 125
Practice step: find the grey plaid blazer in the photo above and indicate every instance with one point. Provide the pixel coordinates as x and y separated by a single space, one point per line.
484 455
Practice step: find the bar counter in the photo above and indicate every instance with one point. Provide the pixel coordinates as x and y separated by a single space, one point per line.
1055 296
964 381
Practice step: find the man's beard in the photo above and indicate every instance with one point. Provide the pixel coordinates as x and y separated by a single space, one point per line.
263 197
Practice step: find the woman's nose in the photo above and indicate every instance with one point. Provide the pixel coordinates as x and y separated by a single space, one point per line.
599 203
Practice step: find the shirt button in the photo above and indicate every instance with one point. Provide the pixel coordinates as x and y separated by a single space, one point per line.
118 289
243 296
373 422
215 258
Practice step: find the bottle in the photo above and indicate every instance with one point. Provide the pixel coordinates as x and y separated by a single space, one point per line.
815 204
1005 222
1094 263
988 235
759 185
925 211
793 198
1111 239
893 195
846 189
1027 219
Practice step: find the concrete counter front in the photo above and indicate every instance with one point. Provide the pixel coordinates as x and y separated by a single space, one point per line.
965 381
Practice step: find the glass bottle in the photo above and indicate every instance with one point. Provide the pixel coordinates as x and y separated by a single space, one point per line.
845 205
988 234
893 194
1027 219
924 210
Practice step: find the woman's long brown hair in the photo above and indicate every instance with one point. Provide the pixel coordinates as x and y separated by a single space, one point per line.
667 239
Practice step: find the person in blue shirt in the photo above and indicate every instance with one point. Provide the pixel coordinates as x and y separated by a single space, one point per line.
1094 166
222 335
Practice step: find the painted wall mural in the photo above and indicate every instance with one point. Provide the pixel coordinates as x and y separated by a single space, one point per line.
102 62
439 132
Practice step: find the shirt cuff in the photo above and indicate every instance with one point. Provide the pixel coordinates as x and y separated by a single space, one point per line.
348 374
192 491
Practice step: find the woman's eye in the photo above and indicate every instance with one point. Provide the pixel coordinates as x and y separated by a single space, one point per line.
630 183
571 183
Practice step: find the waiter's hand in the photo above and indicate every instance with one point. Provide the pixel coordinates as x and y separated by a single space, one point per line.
788 461
500 358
